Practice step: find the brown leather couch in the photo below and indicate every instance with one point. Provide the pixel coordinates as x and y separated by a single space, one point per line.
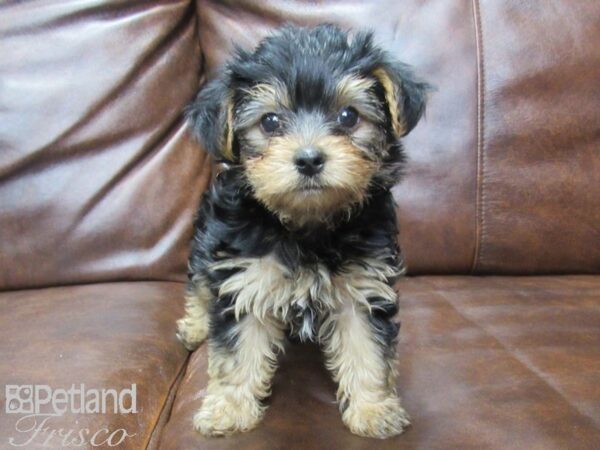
500 217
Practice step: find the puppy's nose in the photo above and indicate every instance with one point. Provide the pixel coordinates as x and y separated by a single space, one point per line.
309 161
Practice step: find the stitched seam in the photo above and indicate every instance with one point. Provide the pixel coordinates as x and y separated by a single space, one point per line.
480 187
168 402
153 438
514 352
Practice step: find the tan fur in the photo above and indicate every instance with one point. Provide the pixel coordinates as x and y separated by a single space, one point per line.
240 378
192 329
275 180
264 291
259 100
271 96
265 288
353 90
350 164
228 146
365 377
392 97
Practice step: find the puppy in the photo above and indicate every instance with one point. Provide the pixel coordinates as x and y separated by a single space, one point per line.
297 235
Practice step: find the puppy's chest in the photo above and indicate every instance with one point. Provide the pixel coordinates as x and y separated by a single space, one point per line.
303 297
265 288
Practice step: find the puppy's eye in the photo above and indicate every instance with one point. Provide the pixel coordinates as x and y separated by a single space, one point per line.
270 122
348 117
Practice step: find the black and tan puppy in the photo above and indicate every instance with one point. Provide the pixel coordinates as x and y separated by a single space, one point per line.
298 234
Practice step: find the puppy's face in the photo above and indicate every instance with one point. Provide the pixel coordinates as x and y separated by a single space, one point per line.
307 158
314 117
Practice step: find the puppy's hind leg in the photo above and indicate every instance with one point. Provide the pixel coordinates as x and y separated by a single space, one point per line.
192 329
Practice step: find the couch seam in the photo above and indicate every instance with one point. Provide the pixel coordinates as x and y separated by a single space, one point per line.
480 178
514 353
175 383
170 397
89 282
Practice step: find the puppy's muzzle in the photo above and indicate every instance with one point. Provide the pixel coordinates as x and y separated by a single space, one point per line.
309 161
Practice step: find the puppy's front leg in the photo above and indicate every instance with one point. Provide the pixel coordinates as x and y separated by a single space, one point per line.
240 368
360 351
192 328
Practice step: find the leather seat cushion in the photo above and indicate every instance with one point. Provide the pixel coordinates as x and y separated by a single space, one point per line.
105 336
484 363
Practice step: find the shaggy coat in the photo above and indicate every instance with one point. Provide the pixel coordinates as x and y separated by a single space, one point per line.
285 249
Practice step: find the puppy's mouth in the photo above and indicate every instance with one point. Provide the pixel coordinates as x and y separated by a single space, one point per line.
311 188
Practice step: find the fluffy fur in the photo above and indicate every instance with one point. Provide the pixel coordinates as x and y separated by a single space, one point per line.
277 252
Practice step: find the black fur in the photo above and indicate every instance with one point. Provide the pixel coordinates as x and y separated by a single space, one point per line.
231 223
208 117
309 61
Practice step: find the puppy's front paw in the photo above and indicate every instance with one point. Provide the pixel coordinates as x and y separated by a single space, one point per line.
220 416
191 331
379 420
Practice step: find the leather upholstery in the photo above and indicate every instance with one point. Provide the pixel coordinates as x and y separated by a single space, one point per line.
101 335
99 180
539 164
503 363
501 171
98 177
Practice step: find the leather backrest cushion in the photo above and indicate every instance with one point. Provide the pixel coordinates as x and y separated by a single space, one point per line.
504 171
539 143
98 176
436 201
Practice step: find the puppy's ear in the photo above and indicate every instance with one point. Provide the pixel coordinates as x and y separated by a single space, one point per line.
405 95
211 118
